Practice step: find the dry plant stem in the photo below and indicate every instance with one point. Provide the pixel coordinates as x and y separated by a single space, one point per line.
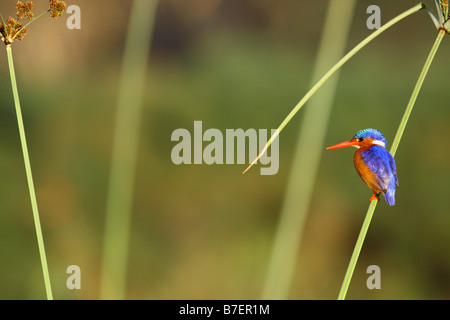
330 72
282 266
395 144
125 150
29 175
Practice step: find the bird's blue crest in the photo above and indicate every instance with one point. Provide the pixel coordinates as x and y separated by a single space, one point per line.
371 133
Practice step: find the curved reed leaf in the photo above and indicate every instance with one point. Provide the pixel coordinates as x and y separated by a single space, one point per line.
330 72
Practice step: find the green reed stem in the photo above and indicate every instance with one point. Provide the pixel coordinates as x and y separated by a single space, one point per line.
357 250
393 150
125 149
412 100
282 266
3 20
330 72
29 175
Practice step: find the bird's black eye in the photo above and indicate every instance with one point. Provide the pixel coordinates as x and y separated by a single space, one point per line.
360 139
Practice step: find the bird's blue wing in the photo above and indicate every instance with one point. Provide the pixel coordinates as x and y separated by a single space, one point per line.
382 164
394 169
377 160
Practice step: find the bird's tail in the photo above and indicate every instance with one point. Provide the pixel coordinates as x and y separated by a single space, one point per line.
390 196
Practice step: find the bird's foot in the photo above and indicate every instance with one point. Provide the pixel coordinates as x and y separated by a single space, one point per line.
374 196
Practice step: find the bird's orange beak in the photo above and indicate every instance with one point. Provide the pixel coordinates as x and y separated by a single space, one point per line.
345 144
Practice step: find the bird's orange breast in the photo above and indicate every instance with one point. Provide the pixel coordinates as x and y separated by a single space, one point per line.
366 174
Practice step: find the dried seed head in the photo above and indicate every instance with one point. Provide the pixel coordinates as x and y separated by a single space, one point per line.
2 31
12 30
20 34
57 8
24 10
444 8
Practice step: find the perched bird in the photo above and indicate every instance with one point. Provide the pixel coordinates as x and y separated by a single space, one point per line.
375 165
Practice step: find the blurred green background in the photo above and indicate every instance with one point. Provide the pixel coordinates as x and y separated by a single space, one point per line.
206 232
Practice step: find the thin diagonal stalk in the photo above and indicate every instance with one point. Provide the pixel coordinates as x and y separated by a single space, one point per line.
300 187
125 149
412 100
357 250
395 144
3 20
29 175
330 72
26 25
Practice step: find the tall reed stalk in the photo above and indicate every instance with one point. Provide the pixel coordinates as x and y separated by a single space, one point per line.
307 155
125 149
13 30
26 159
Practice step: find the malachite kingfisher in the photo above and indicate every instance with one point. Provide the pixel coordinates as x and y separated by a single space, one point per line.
375 164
